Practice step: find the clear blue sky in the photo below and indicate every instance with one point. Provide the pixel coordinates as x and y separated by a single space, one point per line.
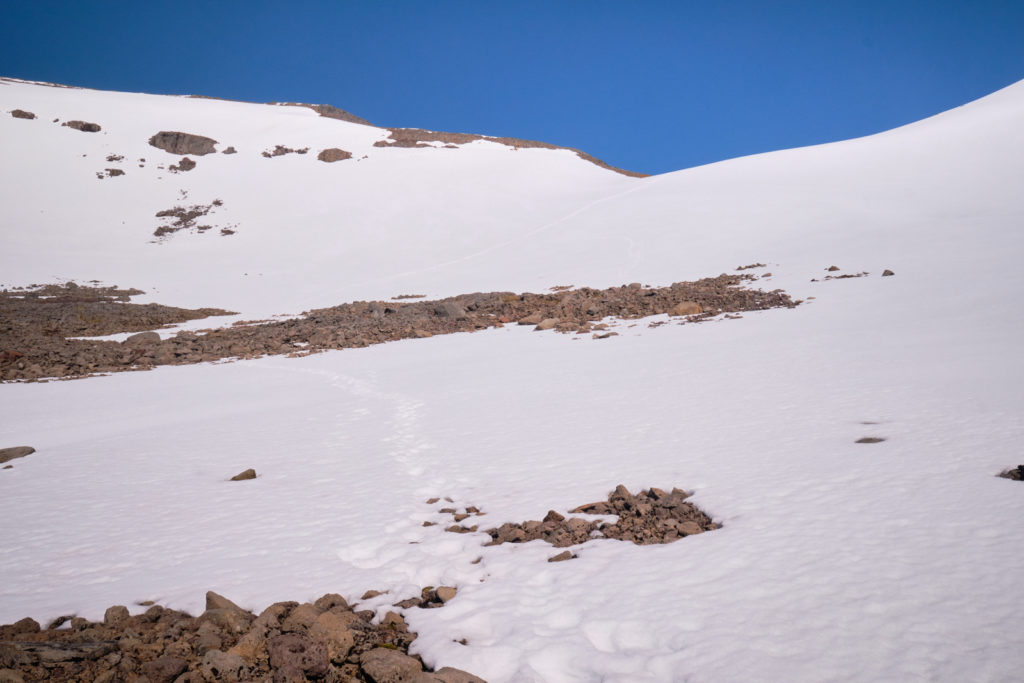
649 86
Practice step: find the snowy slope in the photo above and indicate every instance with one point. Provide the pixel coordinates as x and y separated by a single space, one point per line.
837 561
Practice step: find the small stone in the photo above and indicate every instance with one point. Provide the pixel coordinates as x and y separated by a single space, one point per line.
369 595
532 319
689 528
431 501
247 474
15 452
546 324
445 593
562 556
553 516
832 269
333 154
115 615
887 273
461 516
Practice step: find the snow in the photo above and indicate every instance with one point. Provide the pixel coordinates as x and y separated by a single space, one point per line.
836 561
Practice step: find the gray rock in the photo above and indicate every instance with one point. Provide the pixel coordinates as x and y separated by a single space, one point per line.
450 309
389 666
887 273
22 114
15 452
83 126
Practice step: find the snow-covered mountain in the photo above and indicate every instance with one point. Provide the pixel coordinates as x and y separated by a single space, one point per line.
897 560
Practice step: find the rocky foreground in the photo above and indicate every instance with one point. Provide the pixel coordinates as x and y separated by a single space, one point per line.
37 326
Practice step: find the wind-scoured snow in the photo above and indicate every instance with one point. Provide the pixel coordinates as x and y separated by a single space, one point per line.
837 561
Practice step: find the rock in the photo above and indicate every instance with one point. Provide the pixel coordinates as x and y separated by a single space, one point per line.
689 528
333 629
389 666
247 474
223 666
164 669
218 601
55 652
296 651
546 324
870 439
230 150
15 452
450 309
445 593
562 556
1014 473
300 619
532 319
229 620
330 601
83 126
142 338
10 675
887 273
686 308
446 675
185 164
369 595
183 143
333 154
115 615
553 516
20 627
22 114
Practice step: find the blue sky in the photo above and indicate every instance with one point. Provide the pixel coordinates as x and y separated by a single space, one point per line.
649 86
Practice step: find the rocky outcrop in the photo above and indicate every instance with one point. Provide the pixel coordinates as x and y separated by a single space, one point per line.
179 143
333 154
417 137
324 640
32 329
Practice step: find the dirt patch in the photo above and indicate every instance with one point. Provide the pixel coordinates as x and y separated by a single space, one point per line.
352 325
333 154
83 126
417 137
281 150
22 114
1015 473
323 640
176 142
649 517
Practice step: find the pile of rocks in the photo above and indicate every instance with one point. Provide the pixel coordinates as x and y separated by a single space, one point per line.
326 640
651 516
33 327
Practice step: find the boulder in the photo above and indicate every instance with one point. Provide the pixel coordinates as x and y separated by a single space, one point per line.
15 452
22 114
383 665
445 593
532 319
333 629
115 615
334 154
296 651
179 143
142 338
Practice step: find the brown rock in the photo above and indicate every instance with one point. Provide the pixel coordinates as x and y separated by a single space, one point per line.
562 556
887 273
164 669
22 114
334 154
15 452
546 324
247 474
229 620
300 619
83 126
445 593
333 630
115 615
368 595
10 675
832 269
330 601
142 338
296 651
183 143
686 308
532 319
446 675
389 666
218 601
223 666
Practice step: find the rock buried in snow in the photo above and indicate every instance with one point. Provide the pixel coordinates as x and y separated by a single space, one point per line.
83 126
887 273
1015 473
870 439
22 114
686 308
179 143
562 556
14 452
247 474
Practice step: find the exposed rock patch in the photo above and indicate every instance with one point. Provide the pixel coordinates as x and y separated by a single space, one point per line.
887 273
870 439
649 517
417 137
33 344
281 150
750 265
15 452
334 154
185 217
109 173
176 142
325 640
22 114
182 166
247 474
230 150
83 126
